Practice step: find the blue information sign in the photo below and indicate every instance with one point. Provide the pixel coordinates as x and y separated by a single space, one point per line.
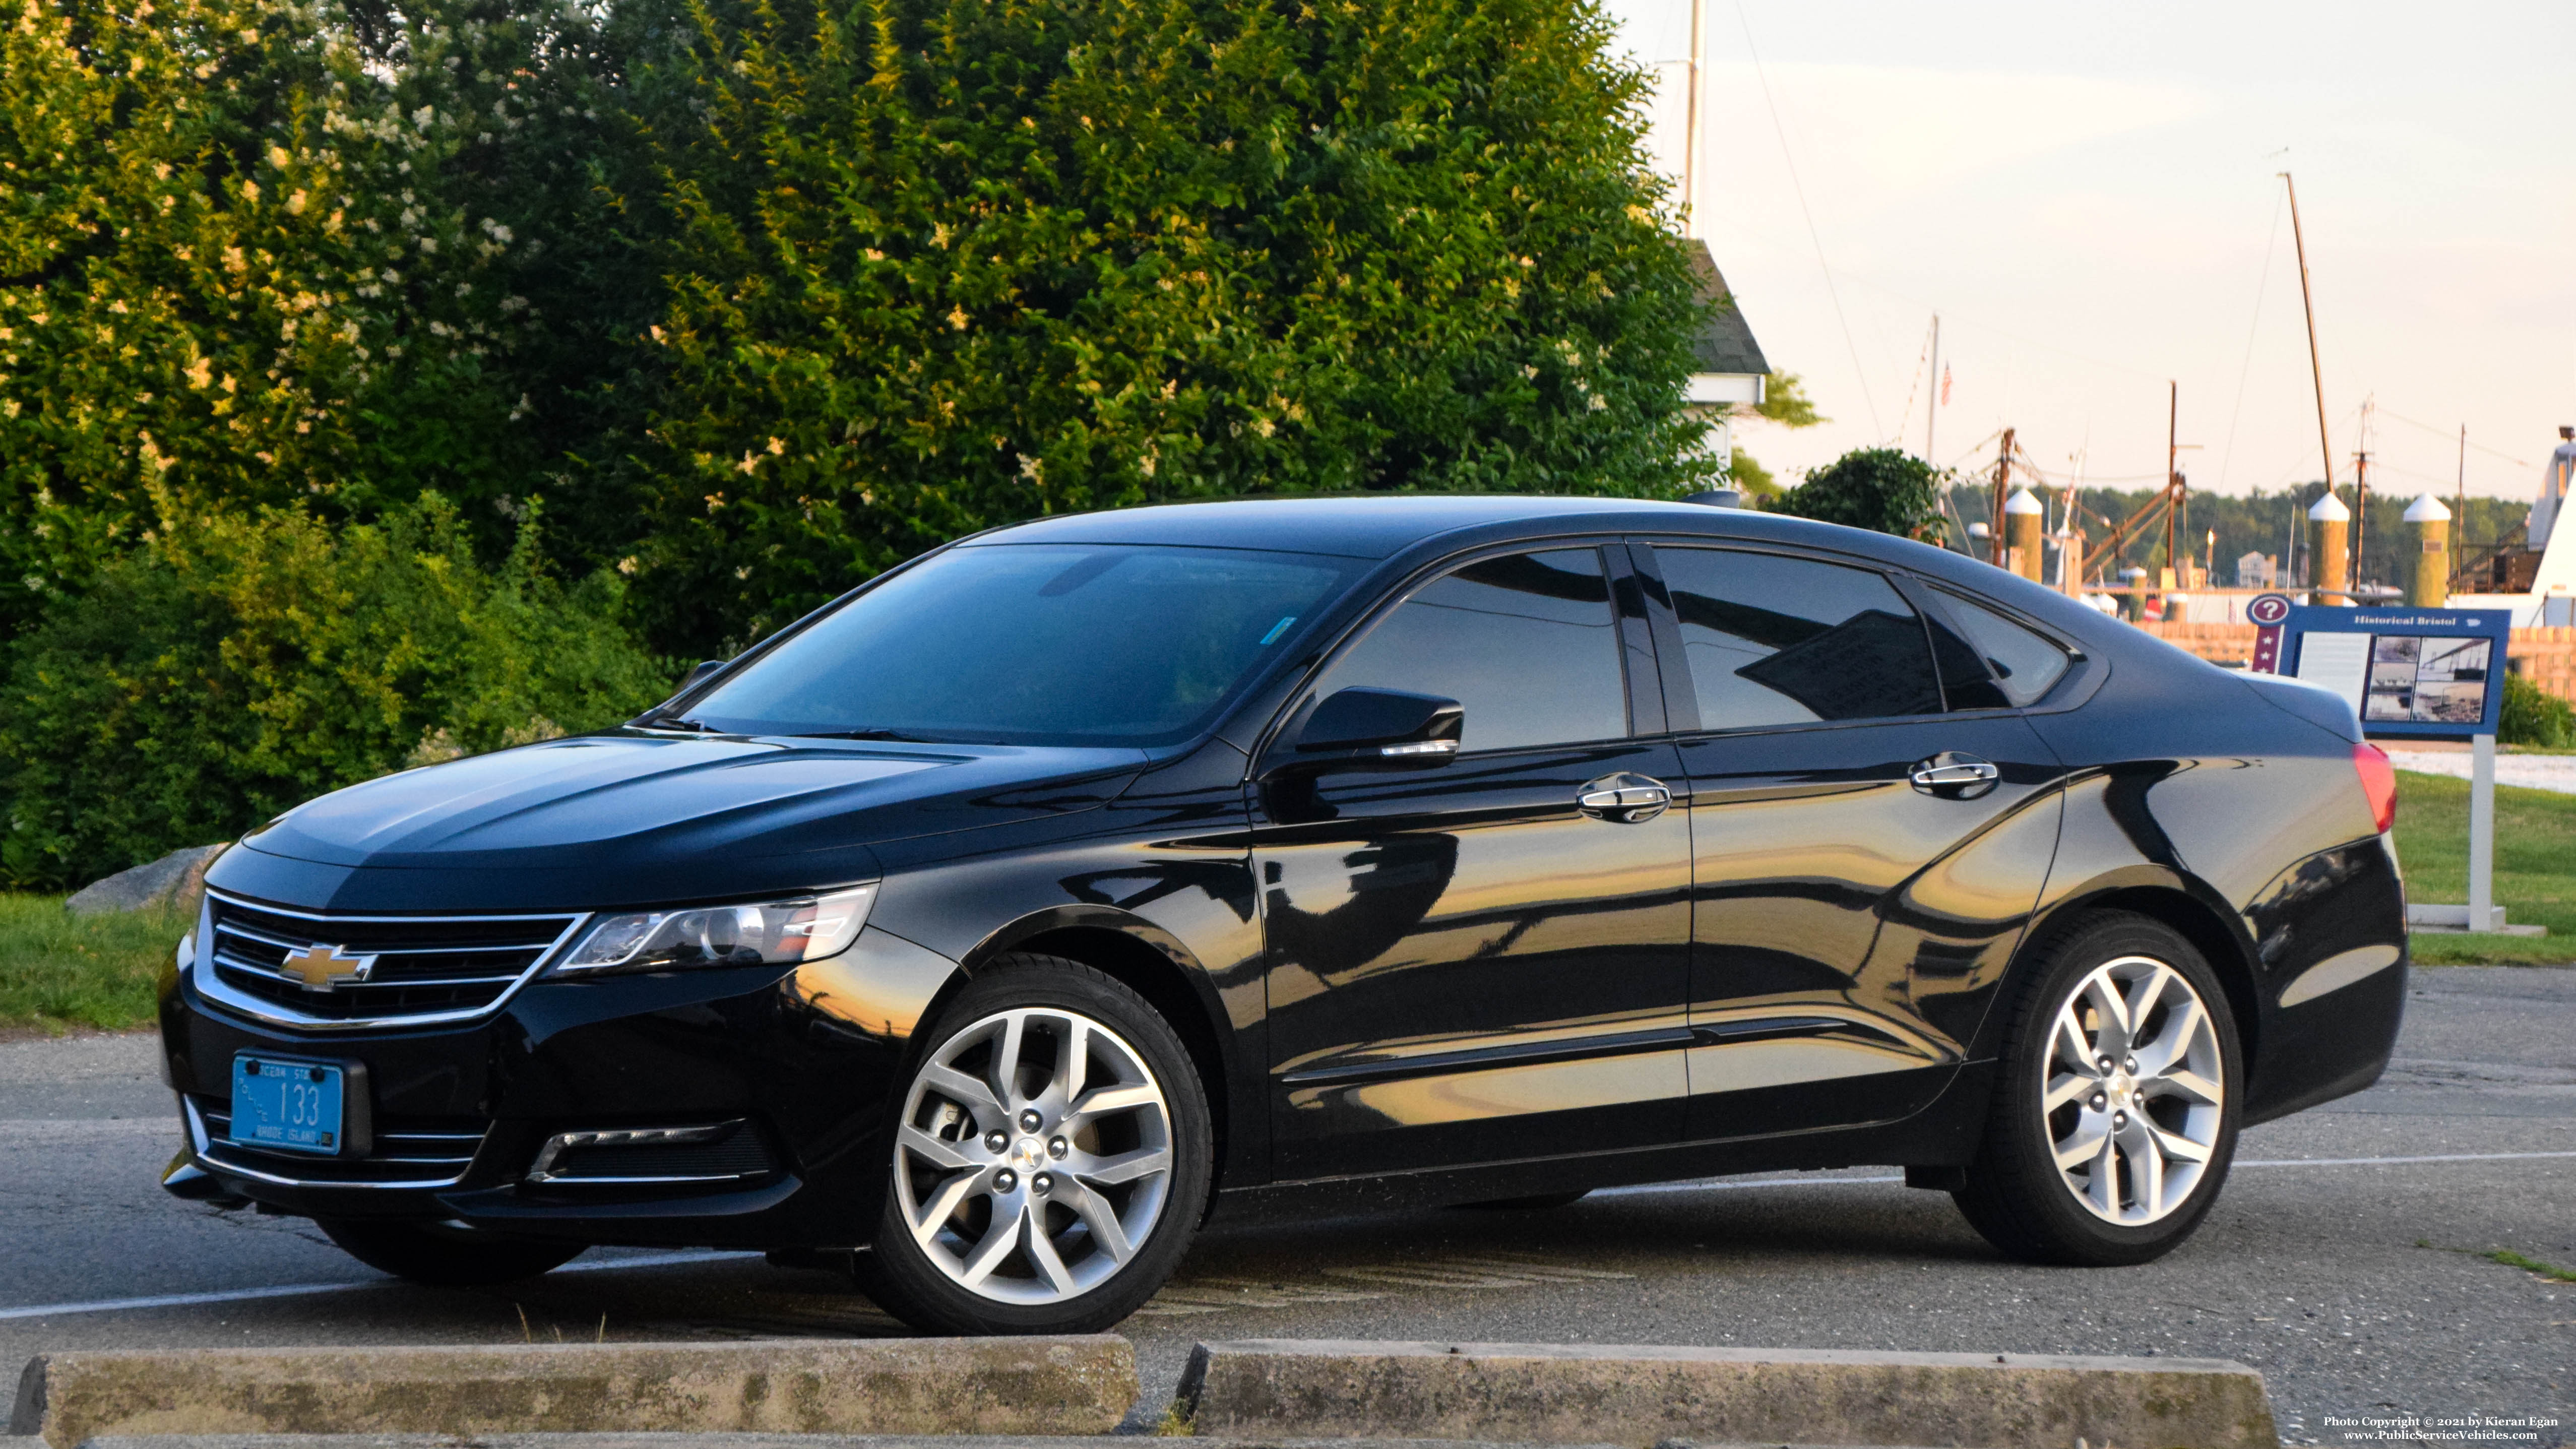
2422 674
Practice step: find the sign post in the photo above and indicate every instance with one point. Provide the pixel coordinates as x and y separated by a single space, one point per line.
2482 911
2410 674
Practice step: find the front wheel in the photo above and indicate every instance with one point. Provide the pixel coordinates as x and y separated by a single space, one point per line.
1050 1161
444 1254
2115 1116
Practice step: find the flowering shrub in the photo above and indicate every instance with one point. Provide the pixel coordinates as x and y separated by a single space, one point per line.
250 258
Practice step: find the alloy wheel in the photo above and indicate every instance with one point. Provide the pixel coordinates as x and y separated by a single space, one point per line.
2134 1091
1035 1156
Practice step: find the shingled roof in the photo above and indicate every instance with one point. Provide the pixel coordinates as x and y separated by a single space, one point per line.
1724 343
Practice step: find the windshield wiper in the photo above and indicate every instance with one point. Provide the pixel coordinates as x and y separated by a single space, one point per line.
865 734
676 722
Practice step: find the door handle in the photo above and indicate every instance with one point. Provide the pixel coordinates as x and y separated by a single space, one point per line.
1958 776
1625 799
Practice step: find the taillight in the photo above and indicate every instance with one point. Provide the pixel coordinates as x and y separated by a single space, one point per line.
2378 783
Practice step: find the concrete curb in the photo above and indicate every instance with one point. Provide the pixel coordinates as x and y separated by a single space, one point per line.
750 1441
1074 1385
1638 1395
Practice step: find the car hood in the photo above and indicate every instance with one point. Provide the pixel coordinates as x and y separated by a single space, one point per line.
634 816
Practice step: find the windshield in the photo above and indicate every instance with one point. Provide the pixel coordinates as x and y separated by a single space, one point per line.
1088 644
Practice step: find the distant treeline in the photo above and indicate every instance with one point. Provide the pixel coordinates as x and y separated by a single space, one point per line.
2260 522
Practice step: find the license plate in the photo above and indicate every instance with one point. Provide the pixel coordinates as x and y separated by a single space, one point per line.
286 1105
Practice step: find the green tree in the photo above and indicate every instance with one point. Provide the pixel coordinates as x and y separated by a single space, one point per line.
254 253
1784 401
942 264
1747 473
1876 488
241 664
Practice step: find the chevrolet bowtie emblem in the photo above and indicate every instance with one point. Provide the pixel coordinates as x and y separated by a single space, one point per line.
321 967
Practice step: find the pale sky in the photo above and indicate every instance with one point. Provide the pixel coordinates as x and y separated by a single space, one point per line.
2088 193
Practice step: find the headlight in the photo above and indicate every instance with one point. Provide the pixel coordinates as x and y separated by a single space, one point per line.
773 933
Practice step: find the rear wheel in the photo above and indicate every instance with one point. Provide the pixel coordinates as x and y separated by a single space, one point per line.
1050 1162
2115 1118
445 1254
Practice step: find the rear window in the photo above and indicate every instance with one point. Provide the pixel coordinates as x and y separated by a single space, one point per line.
1773 640
2023 663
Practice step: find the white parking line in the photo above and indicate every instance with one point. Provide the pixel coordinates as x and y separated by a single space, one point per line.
184 1300
658 1260
2391 1161
300 1290
1728 1185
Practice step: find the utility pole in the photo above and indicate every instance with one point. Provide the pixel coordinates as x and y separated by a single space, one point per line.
1932 407
2307 302
2070 543
2460 530
1995 513
1690 118
2173 474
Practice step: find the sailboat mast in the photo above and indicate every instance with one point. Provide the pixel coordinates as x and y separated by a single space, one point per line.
2308 304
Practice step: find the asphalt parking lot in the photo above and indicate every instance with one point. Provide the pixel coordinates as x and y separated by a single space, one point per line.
2346 1259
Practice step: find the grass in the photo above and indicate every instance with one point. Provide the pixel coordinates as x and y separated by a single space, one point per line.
59 971
2549 1272
2533 1266
2535 863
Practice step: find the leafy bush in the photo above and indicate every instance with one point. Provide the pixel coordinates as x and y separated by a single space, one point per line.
2533 716
942 264
1875 488
241 664
255 253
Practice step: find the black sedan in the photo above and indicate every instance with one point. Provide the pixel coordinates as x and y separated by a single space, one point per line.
991 926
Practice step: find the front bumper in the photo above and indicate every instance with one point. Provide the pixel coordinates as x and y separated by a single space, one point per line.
780 1087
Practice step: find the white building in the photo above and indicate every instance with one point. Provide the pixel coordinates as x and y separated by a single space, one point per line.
1727 368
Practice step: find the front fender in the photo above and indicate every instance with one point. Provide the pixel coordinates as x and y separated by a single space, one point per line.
1156 888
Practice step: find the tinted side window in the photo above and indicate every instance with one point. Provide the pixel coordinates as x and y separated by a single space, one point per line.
1525 642
2024 664
1774 641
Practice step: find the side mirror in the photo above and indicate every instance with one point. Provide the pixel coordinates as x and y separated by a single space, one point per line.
1381 727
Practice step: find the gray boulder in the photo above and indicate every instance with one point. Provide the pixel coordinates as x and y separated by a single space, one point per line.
177 879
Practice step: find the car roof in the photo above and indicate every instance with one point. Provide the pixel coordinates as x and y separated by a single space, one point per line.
1384 526
1364 527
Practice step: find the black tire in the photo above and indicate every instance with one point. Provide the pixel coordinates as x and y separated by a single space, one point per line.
899 1272
2017 1196
446 1256
1535 1203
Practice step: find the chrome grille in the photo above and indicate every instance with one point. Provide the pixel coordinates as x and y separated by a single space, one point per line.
407 1152
420 970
